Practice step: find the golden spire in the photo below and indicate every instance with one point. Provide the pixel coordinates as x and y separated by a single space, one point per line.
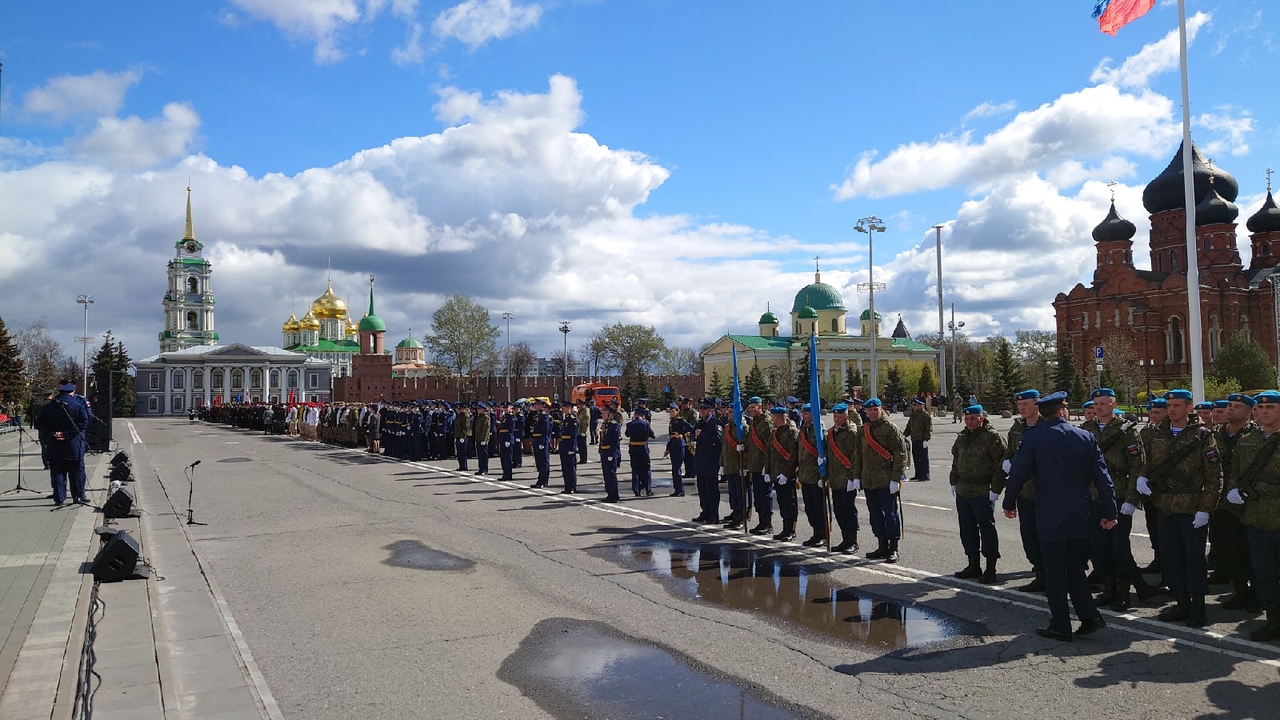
190 233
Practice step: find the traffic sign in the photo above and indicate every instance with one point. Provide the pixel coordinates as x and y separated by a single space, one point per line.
1097 352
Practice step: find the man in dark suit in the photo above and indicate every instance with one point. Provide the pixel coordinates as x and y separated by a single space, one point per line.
63 422
1065 461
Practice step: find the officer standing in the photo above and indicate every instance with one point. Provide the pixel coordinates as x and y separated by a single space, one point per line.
1028 416
1066 462
1184 479
1227 532
843 460
1157 411
540 434
62 423
610 436
754 458
678 432
508 441
706 463
919 430
811 483
731 461
977 479
480 437
639 432
884 455
584 422
568 448
1255 484
781 467
689 415
462 435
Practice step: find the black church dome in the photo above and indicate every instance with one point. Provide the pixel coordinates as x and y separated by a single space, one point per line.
1267 219
1165 192
1214 210
1114 228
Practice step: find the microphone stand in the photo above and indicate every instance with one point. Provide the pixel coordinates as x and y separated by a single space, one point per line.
191 489
19 487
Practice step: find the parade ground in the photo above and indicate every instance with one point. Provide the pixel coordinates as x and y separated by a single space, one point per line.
325 583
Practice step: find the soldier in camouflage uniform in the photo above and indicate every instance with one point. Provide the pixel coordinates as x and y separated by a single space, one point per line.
1227 533
1110 550
843 461
1028 416
1184 479
977 479
784 458
884 455
811 483
755 455
1255 484
731 469
1157 411
689 415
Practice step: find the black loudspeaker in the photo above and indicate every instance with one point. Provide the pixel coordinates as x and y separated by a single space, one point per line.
118 505
120 458
123 473
100 395
98 435
117 558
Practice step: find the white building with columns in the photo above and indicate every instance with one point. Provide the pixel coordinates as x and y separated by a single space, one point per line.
173 383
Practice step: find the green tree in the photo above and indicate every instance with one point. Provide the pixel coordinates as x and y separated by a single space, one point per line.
716 388
1077 393
852 379
1065 377
1244 360
1007 378
894 391
1036 350
13 384
1216 388
462 337
928 382
111 360
800 386
679 361
642 387
755 384
629 348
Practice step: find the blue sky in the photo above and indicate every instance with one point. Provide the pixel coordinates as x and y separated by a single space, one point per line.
670 163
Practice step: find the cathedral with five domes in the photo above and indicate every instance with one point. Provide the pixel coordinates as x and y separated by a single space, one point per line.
326 332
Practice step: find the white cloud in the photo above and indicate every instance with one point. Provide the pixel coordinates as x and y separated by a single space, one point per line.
475 22
132 142
987 109
1153 59
412 52
318 21
1233 126
68 96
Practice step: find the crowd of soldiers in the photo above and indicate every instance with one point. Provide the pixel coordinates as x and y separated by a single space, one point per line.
1197 472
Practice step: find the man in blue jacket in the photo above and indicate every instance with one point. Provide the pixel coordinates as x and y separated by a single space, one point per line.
63 422
1066 462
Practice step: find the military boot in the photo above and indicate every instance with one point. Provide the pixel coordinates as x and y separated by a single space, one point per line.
1195 616
1271 631
972 570
989 575
815 541
1177 612
788 531
1145 590
849 545
1240 598
734 521
881 551
892 556
1036 584
764 526
1108 595
1123 600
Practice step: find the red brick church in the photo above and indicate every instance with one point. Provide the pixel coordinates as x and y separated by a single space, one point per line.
1149 307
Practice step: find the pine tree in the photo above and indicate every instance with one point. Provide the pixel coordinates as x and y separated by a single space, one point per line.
801 385
1244 360
111 363
895 391
755 385
12 382
716 388
642 387
928 383
1066 376
1008 377
852 379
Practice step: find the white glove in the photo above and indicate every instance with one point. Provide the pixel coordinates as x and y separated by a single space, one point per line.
740 447
1144 485
822 484
1200 520
822 461
1005 466
506 444
782 479
856 485
993 496
1234 497
924 444
893 487
1128 509
721 473
953 491
766 478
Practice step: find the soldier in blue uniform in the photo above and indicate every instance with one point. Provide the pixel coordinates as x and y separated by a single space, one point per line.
706 462
567 446
508 440
678 430
639 432
62 422
610 436
540 437
642 408
1066 463
1029 415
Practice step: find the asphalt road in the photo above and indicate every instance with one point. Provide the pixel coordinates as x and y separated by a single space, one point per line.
367 587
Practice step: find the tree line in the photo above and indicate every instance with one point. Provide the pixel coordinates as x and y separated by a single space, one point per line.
32 362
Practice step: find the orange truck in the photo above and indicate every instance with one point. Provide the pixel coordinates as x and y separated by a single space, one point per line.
596 393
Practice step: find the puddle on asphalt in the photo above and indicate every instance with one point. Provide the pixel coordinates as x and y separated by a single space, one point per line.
413 554
792 594
236 459
577 668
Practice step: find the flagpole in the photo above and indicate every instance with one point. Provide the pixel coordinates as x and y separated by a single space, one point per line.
1196 353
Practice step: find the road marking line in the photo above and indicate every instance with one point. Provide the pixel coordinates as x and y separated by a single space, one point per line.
133 432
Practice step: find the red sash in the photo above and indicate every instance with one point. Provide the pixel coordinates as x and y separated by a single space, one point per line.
807 446
781 450
835 450
756 438
876 447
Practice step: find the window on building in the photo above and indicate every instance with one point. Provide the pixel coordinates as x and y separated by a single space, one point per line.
275 378
153 404
1244 325
797 332
255 378
293 378
179 379
313 380
1175 341
193 286
155 381
237 379
1173 261
193 322
217 379
178 403
835 325
197 379
1215 337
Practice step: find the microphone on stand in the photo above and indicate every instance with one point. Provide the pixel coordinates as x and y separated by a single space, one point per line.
193 464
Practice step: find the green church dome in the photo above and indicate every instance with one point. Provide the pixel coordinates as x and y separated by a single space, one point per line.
819 296
372 323
409 342
807 313
866 315
768 319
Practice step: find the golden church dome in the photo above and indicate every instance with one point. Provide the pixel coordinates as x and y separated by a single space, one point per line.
290 325
329 306
352 328
309 322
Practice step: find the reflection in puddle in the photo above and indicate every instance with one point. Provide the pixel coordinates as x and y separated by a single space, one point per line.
415 555
796 595
576 669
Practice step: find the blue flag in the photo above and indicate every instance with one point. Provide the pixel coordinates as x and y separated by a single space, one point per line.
737 396
815 402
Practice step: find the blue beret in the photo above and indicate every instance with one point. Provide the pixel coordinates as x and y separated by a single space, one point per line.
840 408
974 410
1028 395
753 400
805 408
1178 394
1221 403
1102 392
793 399
1204 406
918 401
1267 397
778 410
1241 397
873 402
1087 404
673 406
1118 412
1158 403
642 400
1053 398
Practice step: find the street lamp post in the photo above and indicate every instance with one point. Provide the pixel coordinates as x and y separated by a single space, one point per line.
564 362
86 301
508 317
871 225
942 340
953 325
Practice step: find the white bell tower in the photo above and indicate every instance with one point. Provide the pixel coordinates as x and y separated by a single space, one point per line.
188 299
